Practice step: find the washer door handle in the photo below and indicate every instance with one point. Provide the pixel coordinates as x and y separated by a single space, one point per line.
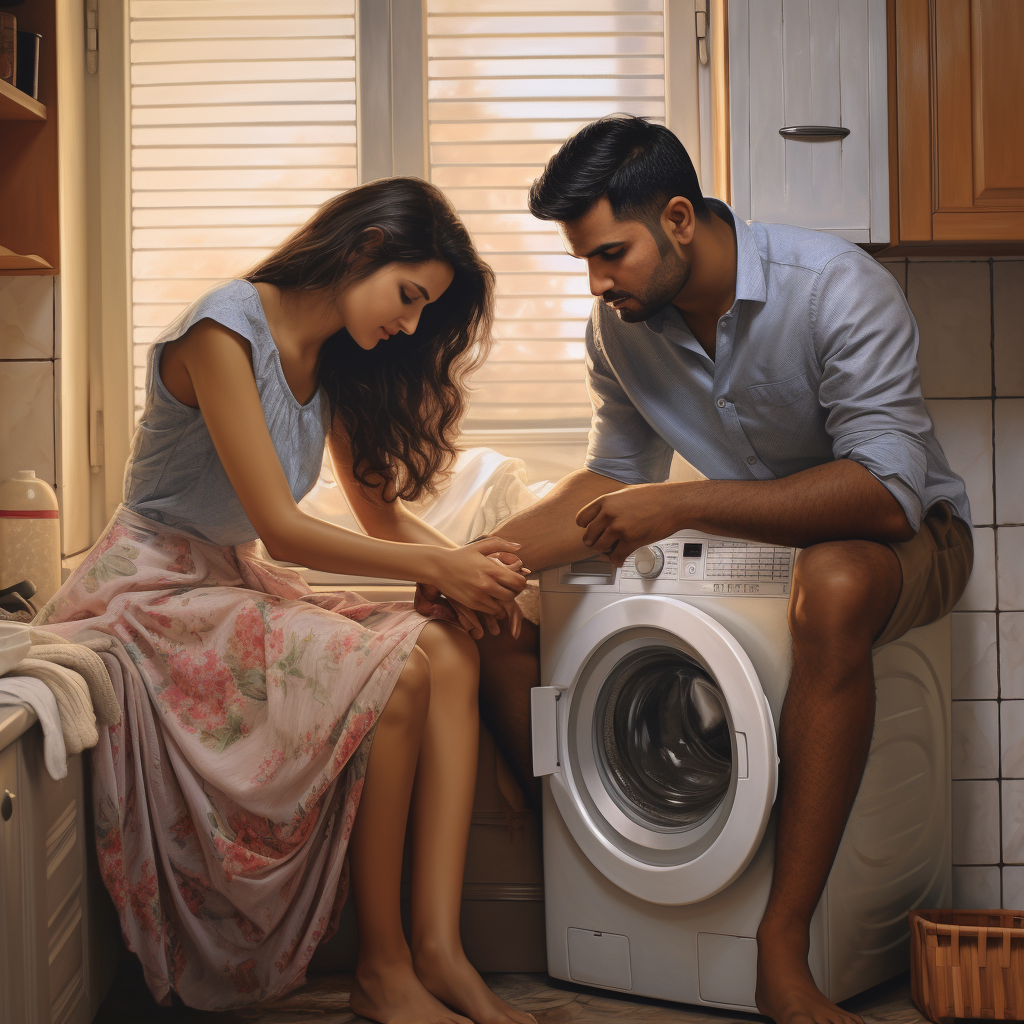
544 722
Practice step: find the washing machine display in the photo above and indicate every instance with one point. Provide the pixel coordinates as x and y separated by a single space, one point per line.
654 729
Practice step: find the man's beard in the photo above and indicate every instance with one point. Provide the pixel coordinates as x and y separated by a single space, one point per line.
667 281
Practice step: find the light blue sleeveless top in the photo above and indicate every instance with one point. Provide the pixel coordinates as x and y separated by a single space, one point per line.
174 475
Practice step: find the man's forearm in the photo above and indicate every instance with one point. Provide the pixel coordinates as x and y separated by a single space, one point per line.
837 501
547 530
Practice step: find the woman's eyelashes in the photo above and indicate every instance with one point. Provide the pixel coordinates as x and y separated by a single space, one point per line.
405 298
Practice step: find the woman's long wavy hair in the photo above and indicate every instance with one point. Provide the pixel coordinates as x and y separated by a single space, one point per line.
402 401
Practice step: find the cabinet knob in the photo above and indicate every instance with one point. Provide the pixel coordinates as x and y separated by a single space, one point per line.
7 805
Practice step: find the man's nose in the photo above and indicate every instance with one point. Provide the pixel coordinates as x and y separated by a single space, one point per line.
600 281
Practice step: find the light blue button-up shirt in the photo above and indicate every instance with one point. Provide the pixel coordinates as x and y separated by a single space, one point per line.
815 361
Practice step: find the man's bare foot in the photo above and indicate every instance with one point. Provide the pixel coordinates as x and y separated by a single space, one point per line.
392 994
453 979
786 991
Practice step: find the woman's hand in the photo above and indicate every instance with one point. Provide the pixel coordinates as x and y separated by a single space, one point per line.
484 576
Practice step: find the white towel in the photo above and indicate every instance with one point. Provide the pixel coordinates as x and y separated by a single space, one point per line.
27 691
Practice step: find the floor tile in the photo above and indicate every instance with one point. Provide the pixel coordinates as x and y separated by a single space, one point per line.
975 739
976 822
1011 655
1009 461
1013 820
976 888
1011 567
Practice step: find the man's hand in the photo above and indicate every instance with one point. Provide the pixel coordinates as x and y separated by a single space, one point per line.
622 521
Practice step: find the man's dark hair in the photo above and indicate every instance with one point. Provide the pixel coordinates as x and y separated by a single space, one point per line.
639 166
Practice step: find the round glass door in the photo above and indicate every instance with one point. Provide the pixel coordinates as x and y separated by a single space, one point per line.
662 740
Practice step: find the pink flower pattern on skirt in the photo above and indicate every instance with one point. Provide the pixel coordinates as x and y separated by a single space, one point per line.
225 796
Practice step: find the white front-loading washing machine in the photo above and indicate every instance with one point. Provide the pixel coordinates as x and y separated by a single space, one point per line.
655 730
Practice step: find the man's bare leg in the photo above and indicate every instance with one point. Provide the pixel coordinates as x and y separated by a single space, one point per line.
509 669
844 593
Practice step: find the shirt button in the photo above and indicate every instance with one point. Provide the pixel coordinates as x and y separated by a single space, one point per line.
721 403
752 459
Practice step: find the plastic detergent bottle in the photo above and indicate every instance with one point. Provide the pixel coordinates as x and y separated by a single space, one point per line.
29 535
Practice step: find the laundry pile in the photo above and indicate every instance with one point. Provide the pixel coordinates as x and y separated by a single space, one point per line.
67 684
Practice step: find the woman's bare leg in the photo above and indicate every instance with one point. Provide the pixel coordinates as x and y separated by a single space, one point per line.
442 804
386 988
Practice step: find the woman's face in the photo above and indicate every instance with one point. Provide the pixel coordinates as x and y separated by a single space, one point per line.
391 300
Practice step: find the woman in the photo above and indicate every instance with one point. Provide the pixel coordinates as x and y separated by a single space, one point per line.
225 798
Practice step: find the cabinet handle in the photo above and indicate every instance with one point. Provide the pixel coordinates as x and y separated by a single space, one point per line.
820 132
7 805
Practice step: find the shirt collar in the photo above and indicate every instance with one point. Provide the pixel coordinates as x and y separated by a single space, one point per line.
750 281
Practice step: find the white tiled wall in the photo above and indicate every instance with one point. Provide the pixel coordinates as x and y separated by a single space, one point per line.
27 376
971 318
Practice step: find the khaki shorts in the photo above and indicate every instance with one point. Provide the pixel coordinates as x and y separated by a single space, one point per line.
936 565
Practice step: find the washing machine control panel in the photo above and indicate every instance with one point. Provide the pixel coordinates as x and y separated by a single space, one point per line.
688 563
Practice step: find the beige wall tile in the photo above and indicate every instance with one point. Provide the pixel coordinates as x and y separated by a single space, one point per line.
980 594
1013 888
898 269
1011 655
1013 820
964 429
976 822
952 305
1008 293
26 317
975 739
975 656
1011 567
26 419
976 888
1009 422
1011 733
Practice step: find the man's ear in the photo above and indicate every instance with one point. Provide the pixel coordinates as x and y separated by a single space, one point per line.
678 220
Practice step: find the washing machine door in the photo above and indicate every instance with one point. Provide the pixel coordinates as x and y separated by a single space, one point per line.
666 764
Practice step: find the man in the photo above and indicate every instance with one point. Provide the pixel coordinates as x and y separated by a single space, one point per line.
781 363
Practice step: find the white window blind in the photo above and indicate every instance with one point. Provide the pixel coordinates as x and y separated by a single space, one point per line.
242 123
509 81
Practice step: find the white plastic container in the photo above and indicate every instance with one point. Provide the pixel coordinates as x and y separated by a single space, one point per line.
29 535
14 645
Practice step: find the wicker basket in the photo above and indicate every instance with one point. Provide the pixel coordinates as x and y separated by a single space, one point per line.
967 963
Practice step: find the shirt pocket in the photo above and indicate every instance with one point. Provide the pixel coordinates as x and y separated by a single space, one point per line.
782 392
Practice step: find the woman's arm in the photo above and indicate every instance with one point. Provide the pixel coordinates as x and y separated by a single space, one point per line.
219 366
392 520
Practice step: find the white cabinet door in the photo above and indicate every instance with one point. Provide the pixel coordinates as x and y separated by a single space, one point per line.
798 64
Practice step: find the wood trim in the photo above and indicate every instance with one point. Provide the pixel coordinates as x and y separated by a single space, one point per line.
914 120
952 141
978 224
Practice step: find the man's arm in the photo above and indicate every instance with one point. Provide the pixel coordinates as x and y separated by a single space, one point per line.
548 531
837 501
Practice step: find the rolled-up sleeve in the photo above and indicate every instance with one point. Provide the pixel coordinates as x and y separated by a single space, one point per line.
867 340
623 445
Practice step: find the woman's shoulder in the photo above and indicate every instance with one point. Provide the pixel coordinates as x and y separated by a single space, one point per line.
234 304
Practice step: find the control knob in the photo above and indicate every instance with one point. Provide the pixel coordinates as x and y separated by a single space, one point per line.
649 561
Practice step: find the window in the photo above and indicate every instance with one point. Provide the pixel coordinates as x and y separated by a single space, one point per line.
508 82
242 123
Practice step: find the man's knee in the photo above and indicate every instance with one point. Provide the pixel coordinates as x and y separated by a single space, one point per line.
843 590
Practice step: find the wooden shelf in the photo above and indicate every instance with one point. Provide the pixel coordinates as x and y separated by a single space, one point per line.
16 105
15 261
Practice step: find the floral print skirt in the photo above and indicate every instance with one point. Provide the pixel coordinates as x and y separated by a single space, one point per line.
224 799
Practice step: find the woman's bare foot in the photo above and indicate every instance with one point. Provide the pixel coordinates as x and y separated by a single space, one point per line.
453 979
785 989
392 994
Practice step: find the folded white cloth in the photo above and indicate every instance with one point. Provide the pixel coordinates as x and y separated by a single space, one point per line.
27 691
77 721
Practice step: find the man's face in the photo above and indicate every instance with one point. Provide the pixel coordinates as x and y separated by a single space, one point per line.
633 267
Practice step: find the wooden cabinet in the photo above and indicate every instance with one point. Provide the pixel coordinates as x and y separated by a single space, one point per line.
960 120
29 187
58 947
